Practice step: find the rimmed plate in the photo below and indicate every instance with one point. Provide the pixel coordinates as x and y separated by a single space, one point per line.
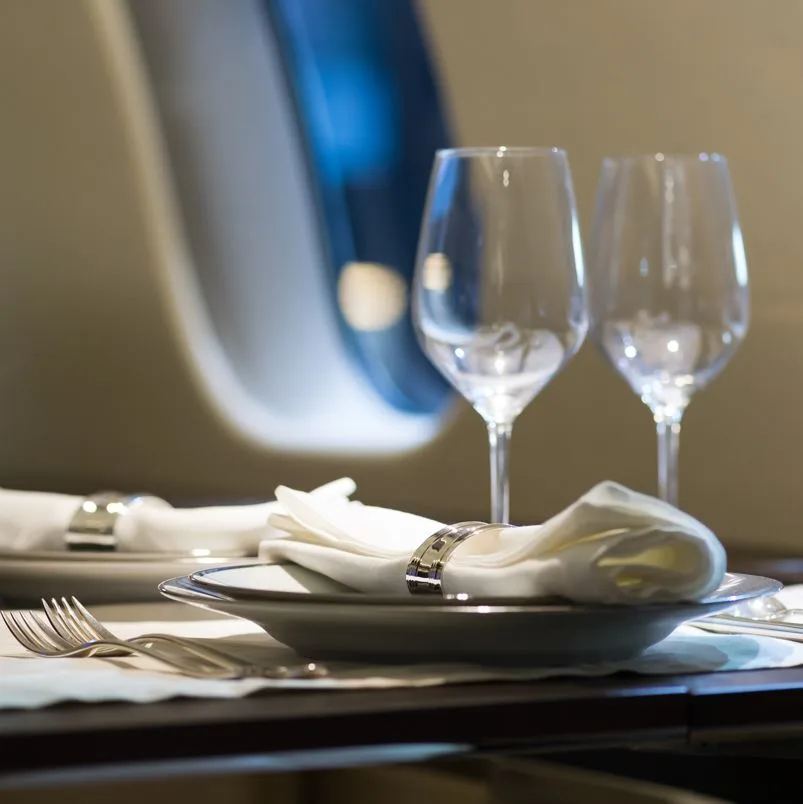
96 578
322 620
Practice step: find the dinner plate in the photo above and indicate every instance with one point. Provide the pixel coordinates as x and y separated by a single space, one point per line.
321 619
25 577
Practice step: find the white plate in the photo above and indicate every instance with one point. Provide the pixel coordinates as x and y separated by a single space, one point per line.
322 620
95 578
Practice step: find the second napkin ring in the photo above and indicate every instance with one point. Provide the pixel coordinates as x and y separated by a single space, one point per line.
425 570
93 524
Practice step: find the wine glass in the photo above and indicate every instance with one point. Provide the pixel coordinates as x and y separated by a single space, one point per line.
498 299
667 284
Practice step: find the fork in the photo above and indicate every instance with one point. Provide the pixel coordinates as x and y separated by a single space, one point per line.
75 622
35 633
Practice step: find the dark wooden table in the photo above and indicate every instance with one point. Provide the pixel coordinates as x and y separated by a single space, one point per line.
682 712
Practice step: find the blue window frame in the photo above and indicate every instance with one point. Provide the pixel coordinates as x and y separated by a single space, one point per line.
371 118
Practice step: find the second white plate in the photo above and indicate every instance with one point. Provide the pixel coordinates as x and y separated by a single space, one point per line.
93 578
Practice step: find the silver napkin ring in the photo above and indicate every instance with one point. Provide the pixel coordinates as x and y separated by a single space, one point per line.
425 571
92 526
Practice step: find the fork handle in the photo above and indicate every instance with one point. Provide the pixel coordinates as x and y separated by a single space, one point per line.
240 671
238 667
92 647
202 651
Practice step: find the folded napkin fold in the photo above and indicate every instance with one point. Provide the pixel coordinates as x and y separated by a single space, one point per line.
613 545
31 521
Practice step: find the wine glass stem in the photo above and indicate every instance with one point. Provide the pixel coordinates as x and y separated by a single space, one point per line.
667 424
499 440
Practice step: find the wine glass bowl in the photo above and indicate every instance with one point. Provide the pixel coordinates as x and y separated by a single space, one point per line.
498 298
668 284
666 361
500 368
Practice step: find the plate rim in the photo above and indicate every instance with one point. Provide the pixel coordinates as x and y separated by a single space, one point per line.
113 557
546 604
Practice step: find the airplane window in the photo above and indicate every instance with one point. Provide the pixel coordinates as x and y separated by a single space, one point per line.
299 136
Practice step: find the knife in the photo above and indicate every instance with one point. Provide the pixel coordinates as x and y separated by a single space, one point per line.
724 624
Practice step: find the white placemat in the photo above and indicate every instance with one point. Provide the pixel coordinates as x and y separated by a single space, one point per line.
28 682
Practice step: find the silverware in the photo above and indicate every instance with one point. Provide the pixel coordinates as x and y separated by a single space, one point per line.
762 616
62 632
35 634
78 617
765 609
725 624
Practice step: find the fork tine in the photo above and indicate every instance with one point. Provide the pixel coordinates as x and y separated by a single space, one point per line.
77 623
90 620
39 629
68 630
79 634
27 634
18 633
57 621
57 627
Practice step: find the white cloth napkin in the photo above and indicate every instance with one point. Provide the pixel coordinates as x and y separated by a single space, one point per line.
613 545
28 682
32 520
